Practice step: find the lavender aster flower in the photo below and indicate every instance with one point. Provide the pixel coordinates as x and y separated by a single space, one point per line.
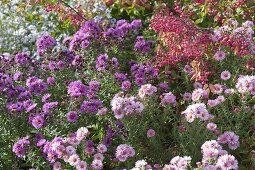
38 121
77 89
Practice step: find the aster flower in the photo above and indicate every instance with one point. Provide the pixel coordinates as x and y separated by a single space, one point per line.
77 89
101 148
74 160
81 166
72 116
38 121
146 90
227 162
219 56
123 152
225 75
151 133
168 99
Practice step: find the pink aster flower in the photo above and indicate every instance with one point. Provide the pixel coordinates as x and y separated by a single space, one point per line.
219 56
225 75
151 133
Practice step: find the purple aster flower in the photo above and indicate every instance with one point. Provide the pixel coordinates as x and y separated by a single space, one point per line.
21 58
38 121
52 66
15 107
94 85
126 85
48 106
60 65
77 89
46 97
136 24
120 76
72 116
90 106
139 81
115 62
44 42
36 85
85 44
51 80
17 76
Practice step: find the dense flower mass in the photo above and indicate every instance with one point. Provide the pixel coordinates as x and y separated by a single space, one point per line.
103 84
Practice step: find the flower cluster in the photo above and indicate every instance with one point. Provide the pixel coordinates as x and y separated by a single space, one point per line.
124 151
229 138
239 39
77 89
44 42
179 162
246 84
146 90
141 45
19 148
197 110
168 99
126 106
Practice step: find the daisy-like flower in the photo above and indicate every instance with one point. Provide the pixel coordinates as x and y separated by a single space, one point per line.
225 75
72 116
211 126
57 166
101 148
219 56
81 166
74 160
227 162
38 122
151 133
99 156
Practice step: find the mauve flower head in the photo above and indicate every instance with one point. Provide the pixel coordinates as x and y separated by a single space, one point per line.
151 133
36 85
120 76
17 76
126 85
85 44
38 121
227 162
136 24
90 106
124 151
225 75
44 42
77 89
51 80
22 58
46 97
47 107
72 116
219 56
94 85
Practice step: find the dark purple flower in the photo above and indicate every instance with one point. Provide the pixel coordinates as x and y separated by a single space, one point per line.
22 58
36 85
48 106
17 76
136 24
60 65
44 42
72 116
